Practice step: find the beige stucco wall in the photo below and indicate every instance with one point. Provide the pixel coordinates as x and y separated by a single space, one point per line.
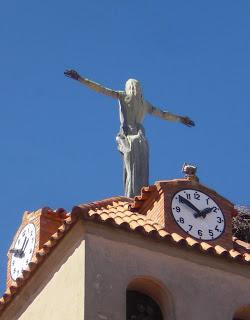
198 286
56 291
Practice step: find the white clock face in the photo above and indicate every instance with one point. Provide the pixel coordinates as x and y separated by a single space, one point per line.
23 250
197 214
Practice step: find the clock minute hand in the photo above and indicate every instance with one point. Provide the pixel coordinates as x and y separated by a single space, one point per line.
22 249
190 205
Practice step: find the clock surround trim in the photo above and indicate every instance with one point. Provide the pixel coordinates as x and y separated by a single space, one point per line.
189 217
46 222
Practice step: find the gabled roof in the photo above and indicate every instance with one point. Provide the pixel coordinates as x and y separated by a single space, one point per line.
116 212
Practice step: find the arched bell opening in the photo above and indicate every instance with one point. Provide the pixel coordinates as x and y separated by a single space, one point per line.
148 299
242 313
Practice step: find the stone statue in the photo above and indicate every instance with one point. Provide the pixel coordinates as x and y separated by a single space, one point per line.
131 139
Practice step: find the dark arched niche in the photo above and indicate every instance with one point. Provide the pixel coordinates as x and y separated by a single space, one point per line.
141 307
242 313
153 289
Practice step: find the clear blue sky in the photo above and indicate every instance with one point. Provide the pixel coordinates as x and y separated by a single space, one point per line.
58 138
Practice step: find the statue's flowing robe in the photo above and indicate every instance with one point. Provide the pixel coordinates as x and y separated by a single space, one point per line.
133 144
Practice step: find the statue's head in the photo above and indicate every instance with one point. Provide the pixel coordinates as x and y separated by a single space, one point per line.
133 88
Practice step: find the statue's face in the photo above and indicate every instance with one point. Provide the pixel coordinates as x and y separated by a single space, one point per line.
133 87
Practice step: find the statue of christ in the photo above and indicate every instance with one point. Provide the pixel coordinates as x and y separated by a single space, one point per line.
131 139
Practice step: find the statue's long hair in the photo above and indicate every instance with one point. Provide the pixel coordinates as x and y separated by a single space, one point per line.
133 92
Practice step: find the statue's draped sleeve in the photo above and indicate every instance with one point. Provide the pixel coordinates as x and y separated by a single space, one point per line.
160 113
100 88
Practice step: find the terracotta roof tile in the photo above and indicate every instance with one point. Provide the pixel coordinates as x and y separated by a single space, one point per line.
118 220
148 228
191 242
247 256
235 254
133 224
163 233
115 212
240 245
206 247
220 250
177 238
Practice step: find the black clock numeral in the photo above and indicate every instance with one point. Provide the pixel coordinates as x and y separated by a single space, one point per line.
207 200
219 220
197 196
200 233
217 229
190 227
211 233
178 209
215 209
188 195
181 220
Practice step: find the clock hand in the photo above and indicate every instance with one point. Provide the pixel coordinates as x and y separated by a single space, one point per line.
204 212
25 245
190 205
15 251
18 252
22 249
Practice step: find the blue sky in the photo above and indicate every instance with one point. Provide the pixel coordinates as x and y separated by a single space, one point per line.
58 138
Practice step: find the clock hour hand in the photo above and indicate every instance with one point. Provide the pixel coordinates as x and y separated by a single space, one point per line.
190 205
204 212
16 252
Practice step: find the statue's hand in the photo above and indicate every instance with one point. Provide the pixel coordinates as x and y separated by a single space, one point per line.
72 74
188 122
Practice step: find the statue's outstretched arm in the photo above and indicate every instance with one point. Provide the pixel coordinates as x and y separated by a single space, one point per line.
93 85
168 115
